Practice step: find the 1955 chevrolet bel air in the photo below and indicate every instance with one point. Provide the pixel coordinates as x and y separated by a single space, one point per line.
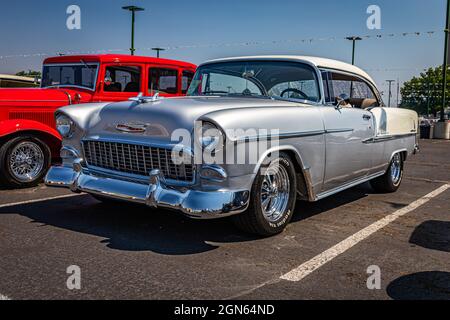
253 135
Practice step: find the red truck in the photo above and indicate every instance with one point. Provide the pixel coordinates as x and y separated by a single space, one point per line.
29 141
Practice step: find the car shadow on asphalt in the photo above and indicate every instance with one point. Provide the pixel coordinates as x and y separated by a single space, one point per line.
429 285
131 227
305 209
433 235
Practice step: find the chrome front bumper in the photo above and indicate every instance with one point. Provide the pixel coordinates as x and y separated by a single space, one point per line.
157 194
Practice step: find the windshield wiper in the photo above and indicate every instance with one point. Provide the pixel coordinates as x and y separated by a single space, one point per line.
211 92
90 68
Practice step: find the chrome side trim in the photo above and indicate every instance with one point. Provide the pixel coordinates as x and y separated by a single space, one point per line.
286 135
388 137
283 135
347 186
339 130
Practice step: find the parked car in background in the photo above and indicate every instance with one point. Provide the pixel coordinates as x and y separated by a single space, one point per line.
322 124
11 81
28 139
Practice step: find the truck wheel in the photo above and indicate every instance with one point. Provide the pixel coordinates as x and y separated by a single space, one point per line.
272 201
24 161
391 180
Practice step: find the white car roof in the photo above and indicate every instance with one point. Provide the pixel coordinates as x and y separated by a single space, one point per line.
316 61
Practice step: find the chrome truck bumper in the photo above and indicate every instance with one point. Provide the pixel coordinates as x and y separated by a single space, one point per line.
194 203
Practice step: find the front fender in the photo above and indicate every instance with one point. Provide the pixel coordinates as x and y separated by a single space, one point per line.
8 127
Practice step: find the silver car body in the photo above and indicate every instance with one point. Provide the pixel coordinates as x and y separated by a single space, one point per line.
333 148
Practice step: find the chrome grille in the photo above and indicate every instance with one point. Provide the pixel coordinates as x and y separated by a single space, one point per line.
136 159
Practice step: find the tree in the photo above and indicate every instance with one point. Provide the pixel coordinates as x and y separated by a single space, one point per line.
29 73
424 93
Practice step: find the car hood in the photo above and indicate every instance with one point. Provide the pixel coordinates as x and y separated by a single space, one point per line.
163 117
29 97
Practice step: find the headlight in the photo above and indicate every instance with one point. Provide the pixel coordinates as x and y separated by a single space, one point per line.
210 137
64 125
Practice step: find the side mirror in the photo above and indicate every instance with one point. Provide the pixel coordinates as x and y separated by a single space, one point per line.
342 99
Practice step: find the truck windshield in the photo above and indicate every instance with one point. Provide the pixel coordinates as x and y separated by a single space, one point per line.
275 79
70 75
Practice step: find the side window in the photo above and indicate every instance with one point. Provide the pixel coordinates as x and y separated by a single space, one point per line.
186 80
122 79
163 80
360 93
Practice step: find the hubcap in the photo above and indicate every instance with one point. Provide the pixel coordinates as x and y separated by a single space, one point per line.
26 161
396 169
275 192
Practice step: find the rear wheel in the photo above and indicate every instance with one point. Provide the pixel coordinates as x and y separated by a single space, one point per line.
24 161
272 199
391 180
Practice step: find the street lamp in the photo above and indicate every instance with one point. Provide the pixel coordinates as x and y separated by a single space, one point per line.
133 9
354 39
445 65
158 50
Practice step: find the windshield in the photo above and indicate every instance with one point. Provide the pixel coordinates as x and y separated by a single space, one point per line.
79 75
277 79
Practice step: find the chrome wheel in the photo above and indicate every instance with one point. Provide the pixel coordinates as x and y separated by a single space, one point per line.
396 169
275 191
26 161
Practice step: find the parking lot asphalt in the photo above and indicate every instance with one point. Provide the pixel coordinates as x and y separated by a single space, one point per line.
131 252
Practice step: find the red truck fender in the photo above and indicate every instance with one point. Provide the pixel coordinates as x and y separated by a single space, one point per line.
46 133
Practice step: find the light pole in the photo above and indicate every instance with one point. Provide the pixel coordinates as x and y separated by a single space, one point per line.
133 9
354 39
390 93
158 50
445 65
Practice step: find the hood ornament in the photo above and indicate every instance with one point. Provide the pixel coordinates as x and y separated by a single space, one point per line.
131 127
141 99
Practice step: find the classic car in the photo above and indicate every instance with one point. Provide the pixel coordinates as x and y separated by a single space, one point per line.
29 142
252 135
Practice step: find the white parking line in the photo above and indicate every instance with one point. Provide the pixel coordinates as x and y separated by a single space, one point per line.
3 297
310 266
39 200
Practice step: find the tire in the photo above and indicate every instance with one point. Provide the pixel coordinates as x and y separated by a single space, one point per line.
256 220
391 180
33 160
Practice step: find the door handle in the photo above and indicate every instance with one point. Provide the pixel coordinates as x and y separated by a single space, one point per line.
366 117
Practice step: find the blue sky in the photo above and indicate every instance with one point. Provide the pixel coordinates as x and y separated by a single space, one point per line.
40 27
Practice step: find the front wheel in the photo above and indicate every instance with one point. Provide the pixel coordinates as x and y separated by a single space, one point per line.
391 180
272 199
24 160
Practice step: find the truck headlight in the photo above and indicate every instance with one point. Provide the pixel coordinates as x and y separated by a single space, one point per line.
64 125
210 137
